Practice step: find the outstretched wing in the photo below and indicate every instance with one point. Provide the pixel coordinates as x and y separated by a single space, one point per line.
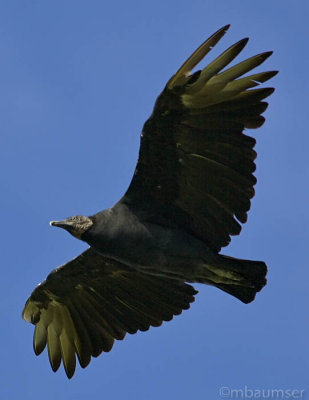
196 165
85 304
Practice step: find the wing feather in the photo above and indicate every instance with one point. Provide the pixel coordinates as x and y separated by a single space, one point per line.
84 305
180 77
196 165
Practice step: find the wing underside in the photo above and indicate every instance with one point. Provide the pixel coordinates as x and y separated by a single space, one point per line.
195 163
84 305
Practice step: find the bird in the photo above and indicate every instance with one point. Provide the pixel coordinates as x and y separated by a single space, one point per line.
191 191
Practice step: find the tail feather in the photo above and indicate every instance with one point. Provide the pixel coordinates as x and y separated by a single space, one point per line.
244 294
240 278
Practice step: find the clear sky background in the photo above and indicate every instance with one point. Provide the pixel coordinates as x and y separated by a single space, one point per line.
77 81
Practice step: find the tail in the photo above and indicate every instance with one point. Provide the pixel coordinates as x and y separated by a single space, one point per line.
240 278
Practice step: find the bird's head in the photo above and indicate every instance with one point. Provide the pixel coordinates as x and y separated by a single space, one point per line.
76 225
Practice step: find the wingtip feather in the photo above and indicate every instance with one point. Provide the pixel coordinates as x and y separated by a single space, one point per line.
179 77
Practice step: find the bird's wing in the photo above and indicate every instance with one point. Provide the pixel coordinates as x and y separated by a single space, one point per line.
195 164
88 302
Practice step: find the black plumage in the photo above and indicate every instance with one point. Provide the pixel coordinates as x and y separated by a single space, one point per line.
190 192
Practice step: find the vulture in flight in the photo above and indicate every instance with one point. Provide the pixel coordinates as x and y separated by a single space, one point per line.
190 192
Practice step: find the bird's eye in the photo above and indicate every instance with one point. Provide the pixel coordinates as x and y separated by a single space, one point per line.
75 218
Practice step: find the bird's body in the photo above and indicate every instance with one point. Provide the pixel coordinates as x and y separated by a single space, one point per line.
190 191
136 239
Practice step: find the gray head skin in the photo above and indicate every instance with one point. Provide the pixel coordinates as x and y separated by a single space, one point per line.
76 225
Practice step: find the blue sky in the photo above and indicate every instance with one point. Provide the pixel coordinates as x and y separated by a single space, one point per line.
78 79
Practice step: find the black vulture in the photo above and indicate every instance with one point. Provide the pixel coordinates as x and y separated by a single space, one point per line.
190 192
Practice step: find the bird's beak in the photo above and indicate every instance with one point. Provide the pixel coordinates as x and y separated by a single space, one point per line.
61 224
